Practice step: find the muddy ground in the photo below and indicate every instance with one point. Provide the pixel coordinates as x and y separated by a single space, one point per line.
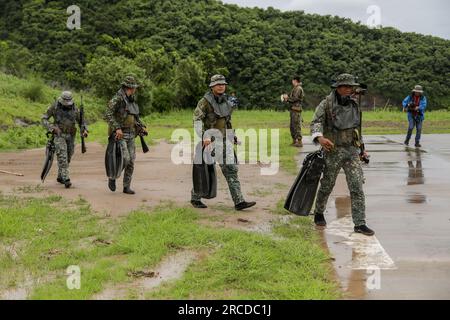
407 204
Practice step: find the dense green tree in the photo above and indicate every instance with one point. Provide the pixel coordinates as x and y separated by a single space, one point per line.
259 50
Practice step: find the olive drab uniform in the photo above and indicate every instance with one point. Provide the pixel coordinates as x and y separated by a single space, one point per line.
215 113
66 116
295 99
338 119
123 113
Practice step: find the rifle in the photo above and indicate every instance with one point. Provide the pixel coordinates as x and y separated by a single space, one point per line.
142 134
81 124
361 91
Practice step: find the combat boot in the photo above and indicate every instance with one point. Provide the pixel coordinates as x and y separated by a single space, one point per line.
127 190
319 220
244 205
112 185
198 204
60 180
67 184
364 230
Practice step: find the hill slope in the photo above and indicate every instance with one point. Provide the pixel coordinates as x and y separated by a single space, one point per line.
174 45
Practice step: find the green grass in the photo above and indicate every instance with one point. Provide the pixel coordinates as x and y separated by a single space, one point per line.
18 101
252 266
27 99
50 234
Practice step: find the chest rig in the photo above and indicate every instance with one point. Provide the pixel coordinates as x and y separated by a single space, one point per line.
342 121
219 113
66 118
127 112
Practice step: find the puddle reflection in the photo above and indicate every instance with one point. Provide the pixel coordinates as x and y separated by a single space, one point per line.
353 281
415 176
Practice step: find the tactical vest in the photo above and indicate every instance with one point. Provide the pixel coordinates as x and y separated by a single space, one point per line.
219 113
342 123
66 118
127 112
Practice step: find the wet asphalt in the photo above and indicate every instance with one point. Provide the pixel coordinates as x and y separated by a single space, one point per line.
408 205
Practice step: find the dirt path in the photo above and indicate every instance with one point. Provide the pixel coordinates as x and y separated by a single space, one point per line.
156 180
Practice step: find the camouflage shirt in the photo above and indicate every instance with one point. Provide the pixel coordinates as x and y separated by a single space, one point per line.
64 118
122 112
296 98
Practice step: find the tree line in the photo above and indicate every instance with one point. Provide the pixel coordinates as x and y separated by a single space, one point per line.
175 46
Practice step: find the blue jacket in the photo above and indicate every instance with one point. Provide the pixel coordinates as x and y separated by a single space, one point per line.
422 107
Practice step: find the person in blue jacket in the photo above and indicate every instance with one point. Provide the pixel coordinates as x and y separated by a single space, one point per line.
415 104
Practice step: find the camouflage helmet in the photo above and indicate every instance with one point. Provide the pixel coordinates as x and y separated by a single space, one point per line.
345 79
418 89
130 82
217 79
66 99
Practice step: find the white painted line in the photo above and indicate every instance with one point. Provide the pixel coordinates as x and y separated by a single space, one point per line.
367 251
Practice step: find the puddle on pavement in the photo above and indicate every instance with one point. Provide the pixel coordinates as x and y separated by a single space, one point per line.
411 169
171 268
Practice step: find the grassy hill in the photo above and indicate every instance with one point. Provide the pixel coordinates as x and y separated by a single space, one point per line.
22 104
175 45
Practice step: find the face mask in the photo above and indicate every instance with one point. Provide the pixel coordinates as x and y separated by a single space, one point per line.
343 100
220 99
346 100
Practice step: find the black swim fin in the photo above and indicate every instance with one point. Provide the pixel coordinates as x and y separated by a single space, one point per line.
303 193
204 177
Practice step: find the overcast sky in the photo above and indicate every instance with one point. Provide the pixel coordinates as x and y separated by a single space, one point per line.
429 17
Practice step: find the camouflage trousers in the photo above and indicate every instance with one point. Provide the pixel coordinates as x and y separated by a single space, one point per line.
296 125
128 148
230 172
346 158
64 147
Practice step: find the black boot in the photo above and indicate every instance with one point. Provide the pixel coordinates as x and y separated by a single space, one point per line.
112 185
67 184
406 142
319 220
60 180
198 204
364 230
127 190
244 205
418 145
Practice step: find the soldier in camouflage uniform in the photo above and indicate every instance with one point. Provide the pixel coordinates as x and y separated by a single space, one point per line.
214 111
122 116
65 115
295 99
336 126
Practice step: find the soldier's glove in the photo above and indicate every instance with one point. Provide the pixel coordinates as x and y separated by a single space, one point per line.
85 133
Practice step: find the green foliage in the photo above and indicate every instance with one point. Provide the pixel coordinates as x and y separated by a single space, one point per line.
105 74
164 97
189 83
22 138
14 59
34 91
259 50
